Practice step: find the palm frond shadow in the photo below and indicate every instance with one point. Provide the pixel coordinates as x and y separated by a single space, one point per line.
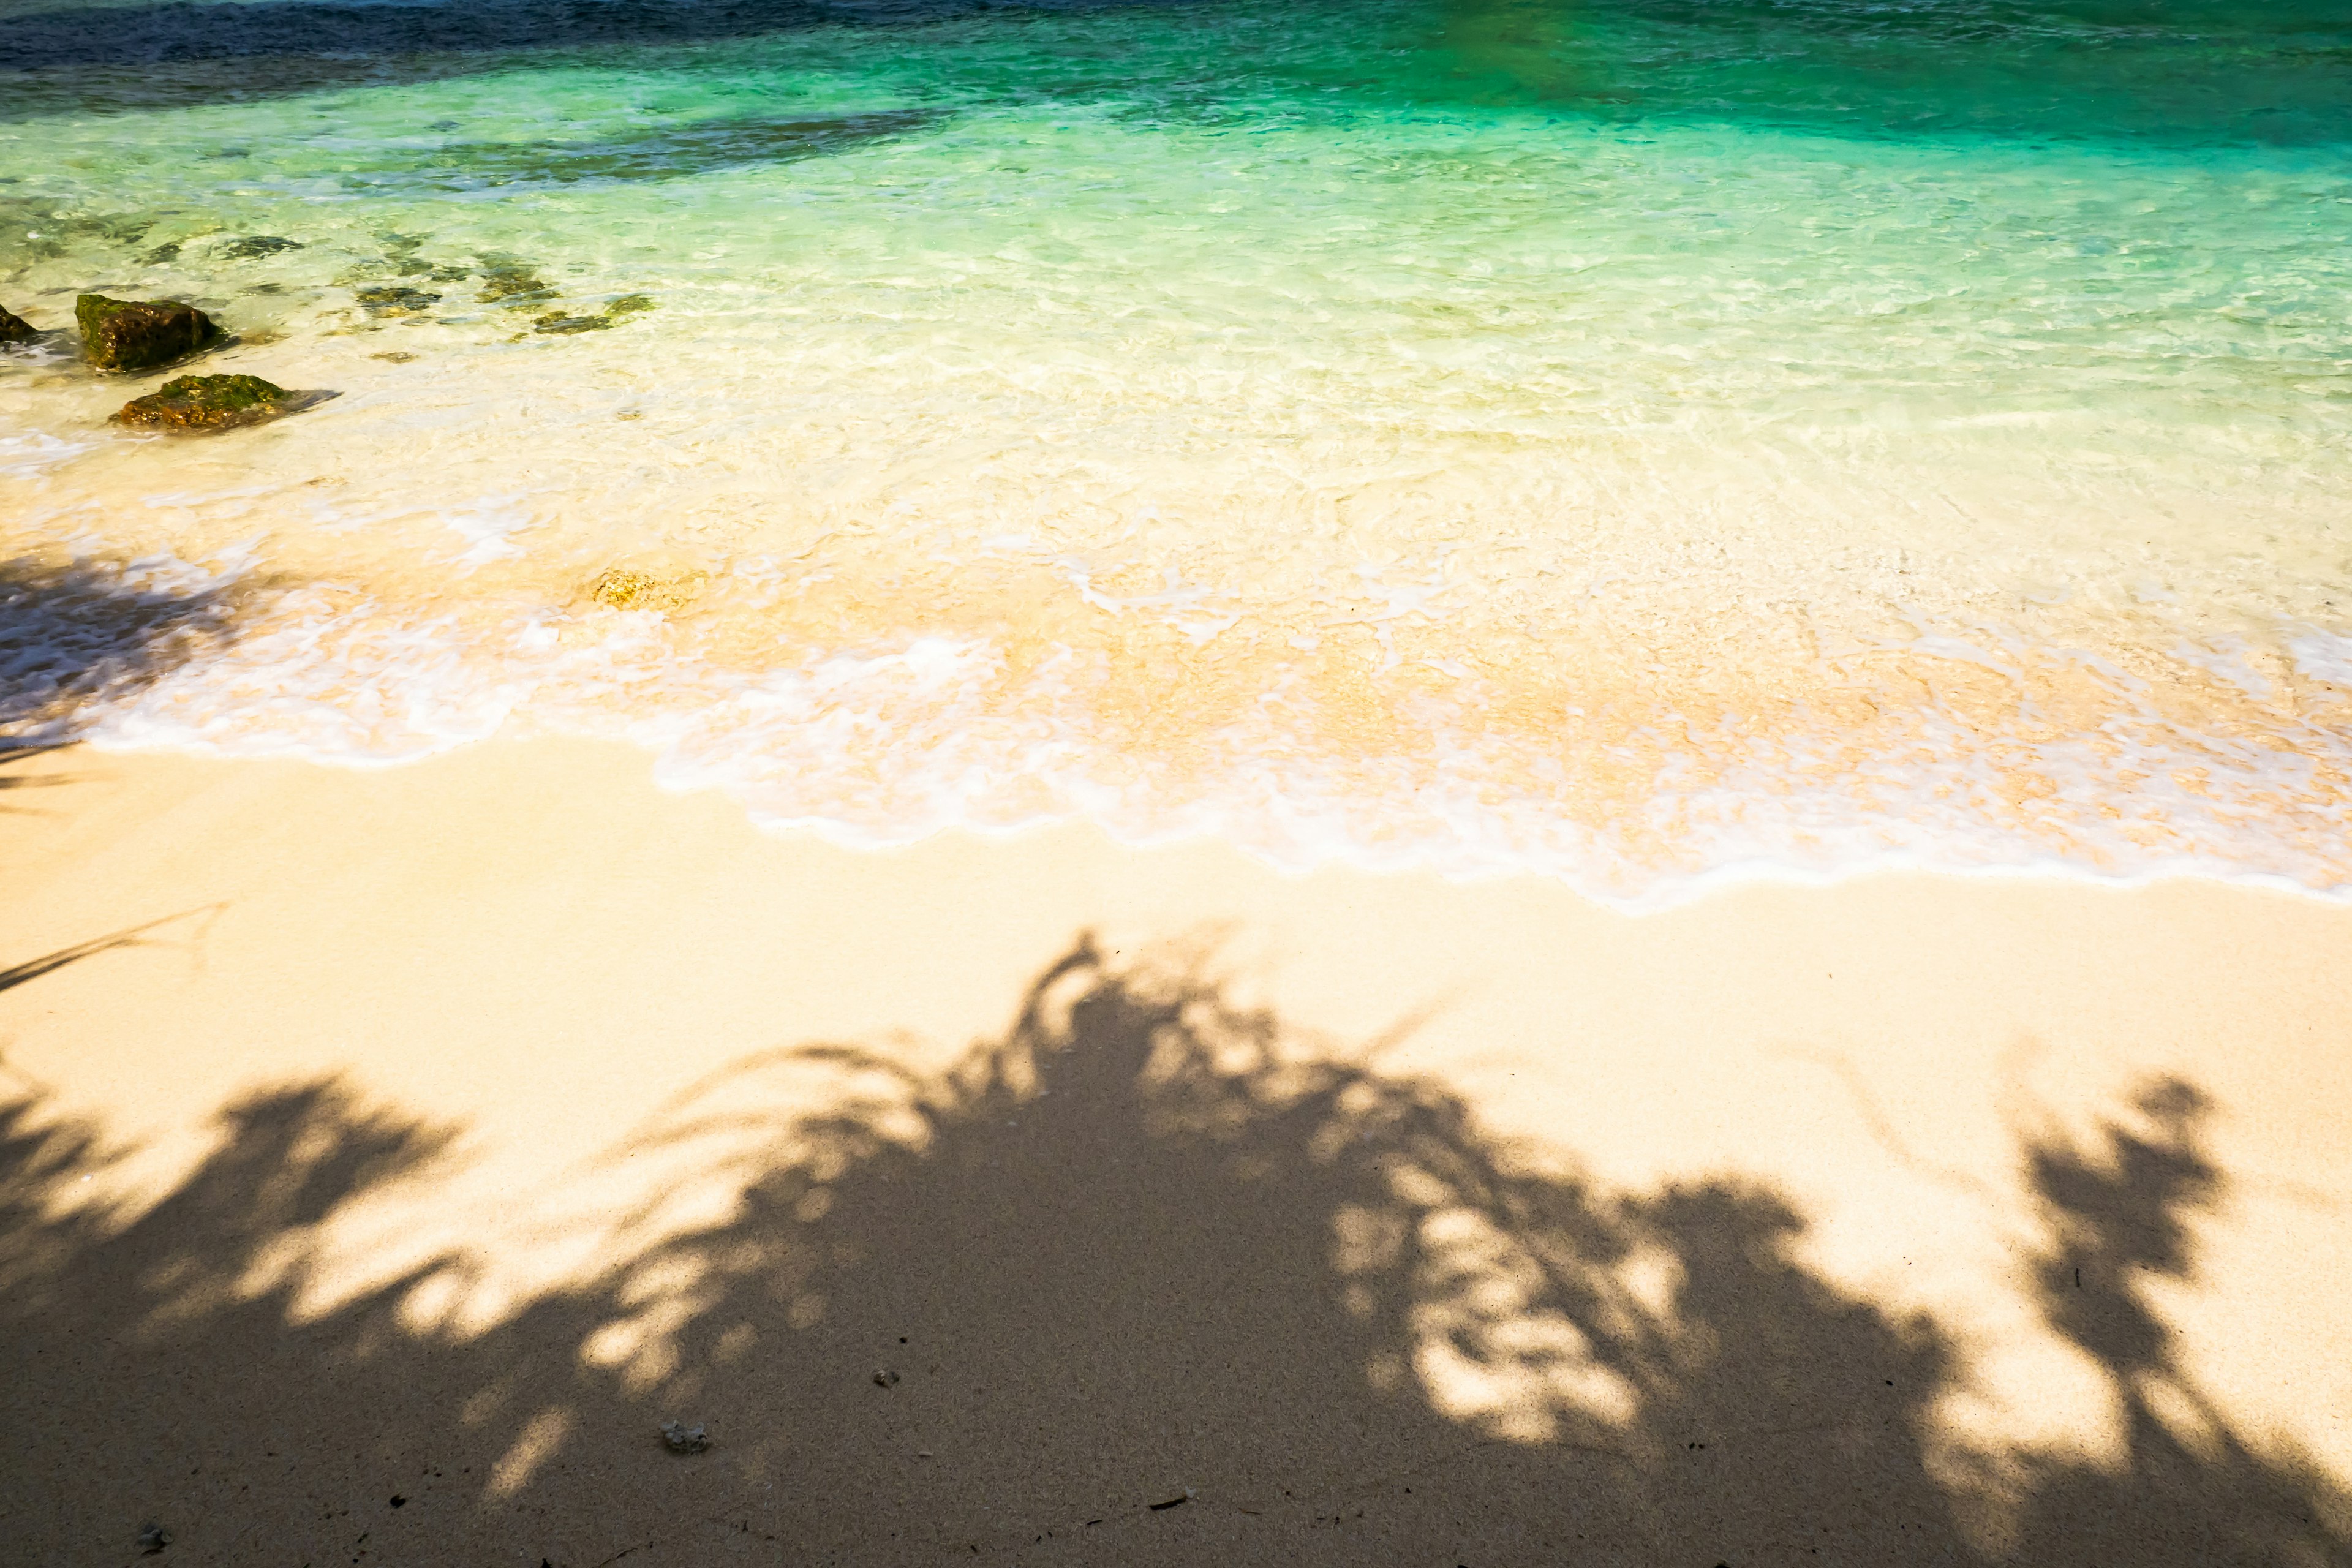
1150 1278
76 637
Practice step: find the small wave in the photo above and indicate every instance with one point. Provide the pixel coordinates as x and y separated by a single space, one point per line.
881 745
34 452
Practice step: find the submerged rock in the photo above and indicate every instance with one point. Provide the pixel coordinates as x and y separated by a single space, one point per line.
254 244
513 286
635 588
393 301
611 315
206 402
557 321
132 334
15 329
625 588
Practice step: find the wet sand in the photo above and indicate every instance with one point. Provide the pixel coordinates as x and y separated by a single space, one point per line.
389 1153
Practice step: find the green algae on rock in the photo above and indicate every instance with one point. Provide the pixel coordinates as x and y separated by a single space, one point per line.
15 329
630 304
206 402
134 334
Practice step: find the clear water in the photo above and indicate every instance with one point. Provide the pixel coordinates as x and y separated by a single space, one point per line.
1627 440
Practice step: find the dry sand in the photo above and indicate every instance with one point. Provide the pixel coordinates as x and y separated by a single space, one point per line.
388 1154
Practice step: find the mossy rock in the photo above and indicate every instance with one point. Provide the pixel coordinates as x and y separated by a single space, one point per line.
15 329
630 304
206 402
134 334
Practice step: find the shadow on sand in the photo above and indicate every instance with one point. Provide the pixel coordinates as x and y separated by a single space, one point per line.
1143 1281
78 636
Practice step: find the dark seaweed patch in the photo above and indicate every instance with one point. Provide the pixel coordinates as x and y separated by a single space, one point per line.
258 245
669 154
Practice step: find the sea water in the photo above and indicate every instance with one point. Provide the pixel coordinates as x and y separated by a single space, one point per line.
1634 440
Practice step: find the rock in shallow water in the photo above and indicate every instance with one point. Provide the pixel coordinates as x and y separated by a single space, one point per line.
396 301
627 305
206 402
513 285
258 245
132 334
15 329
557 321
631 588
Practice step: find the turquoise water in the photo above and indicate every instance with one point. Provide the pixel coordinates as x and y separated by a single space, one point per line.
1624 440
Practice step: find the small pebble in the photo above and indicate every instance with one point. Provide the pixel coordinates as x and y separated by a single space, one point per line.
680 1438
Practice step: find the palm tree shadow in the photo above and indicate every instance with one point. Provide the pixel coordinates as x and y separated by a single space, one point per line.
2193 1489
76 637
1150 1278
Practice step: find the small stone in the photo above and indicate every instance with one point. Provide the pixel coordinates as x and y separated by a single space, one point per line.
205 403
15 329
680 1438
132 334
625 588
153 1538
885 1378
630 304
167 251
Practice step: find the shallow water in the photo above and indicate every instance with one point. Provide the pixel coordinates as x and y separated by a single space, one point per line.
1630 441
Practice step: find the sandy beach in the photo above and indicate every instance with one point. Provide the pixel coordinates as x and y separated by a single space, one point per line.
390 1155
1510 783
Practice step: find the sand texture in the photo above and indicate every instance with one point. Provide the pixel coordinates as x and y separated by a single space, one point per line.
386 1156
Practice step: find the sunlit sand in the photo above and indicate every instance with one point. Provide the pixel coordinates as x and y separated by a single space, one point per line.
457 1126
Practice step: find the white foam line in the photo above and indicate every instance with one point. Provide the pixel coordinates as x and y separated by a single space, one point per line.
885 747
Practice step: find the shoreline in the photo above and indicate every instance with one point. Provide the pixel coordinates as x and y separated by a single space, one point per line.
1668 895
588 1003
